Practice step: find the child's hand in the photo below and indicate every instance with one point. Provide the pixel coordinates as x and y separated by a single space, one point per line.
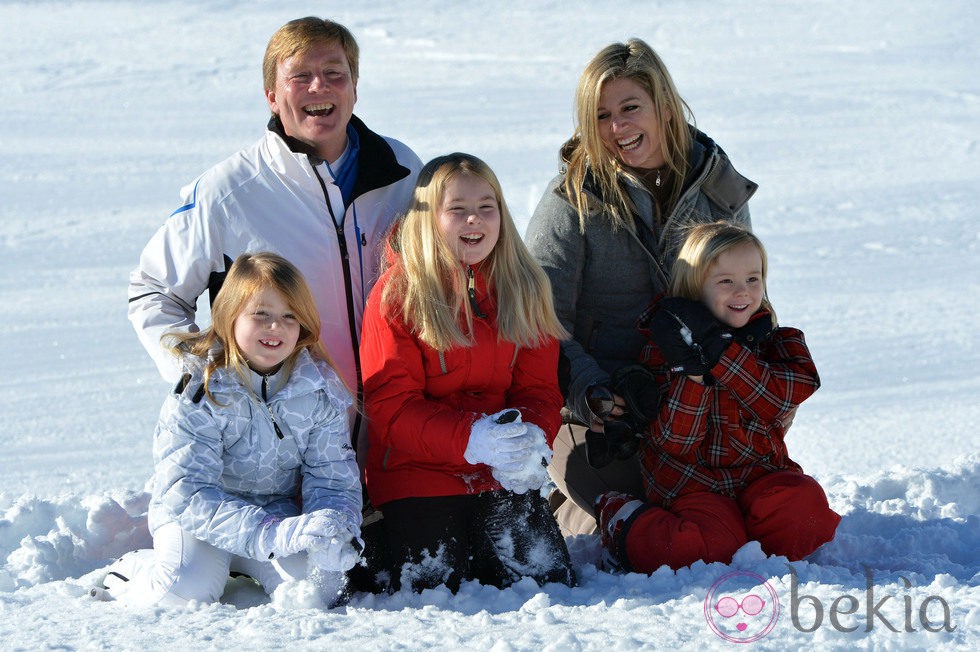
689 336
530 472
338 554
496 444
287 536
757 329
695 315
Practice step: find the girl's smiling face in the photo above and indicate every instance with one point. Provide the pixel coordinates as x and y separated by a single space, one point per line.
469 218
734 286
266 330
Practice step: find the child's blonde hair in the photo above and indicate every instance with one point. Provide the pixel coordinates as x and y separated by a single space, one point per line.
428 285
250 274
702 246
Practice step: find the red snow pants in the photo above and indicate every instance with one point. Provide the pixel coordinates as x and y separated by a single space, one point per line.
786 512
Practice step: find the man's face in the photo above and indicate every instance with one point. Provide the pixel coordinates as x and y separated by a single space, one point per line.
314 97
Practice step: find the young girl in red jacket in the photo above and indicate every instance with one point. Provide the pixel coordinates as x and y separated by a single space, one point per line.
459 352
715 465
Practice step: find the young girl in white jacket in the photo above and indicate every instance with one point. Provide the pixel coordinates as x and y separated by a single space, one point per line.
254 471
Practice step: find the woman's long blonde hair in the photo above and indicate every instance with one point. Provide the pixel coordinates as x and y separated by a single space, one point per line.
585 153
428 284
250 274
702 247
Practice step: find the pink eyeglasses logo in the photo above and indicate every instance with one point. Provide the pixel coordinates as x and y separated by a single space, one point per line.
741 607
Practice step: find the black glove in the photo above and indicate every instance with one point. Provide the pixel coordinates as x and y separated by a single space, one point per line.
688 335
619 438
755 331
600 400
638 387
667 332
693 313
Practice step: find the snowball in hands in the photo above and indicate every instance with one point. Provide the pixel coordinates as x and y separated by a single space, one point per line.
532 471
513 451
339 553
497 444
284 537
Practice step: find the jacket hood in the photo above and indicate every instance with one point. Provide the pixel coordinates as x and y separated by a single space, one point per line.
570 145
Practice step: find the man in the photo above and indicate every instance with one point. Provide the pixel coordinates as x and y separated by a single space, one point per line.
319 188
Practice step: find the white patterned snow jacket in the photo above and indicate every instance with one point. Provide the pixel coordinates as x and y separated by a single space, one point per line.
221 469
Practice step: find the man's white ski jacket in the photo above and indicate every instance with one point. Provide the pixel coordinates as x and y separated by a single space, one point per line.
269 197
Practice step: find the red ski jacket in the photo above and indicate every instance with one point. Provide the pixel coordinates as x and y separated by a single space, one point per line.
420 405
720 437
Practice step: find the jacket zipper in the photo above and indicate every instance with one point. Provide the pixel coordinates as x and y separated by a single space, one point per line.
471 291
265 402
348 287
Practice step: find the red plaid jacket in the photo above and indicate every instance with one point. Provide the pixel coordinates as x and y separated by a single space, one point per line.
720 437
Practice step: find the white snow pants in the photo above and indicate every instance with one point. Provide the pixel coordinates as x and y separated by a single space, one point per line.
181 568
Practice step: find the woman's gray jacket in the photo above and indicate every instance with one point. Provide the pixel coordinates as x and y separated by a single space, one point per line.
223 466
602 279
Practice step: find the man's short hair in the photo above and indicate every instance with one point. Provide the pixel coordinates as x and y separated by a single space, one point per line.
301 35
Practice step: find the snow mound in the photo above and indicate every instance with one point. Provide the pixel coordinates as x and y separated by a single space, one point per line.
48 540
923 521
915 522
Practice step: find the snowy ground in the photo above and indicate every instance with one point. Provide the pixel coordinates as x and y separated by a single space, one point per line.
859 121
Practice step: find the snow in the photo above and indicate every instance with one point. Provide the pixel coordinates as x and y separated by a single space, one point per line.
858 120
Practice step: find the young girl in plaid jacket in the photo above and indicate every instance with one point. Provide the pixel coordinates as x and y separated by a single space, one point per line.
715 465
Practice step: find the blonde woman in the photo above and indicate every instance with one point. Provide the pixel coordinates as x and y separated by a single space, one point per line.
634 174
459 350
254 470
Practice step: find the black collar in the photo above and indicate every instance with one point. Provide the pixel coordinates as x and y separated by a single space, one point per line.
377 164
